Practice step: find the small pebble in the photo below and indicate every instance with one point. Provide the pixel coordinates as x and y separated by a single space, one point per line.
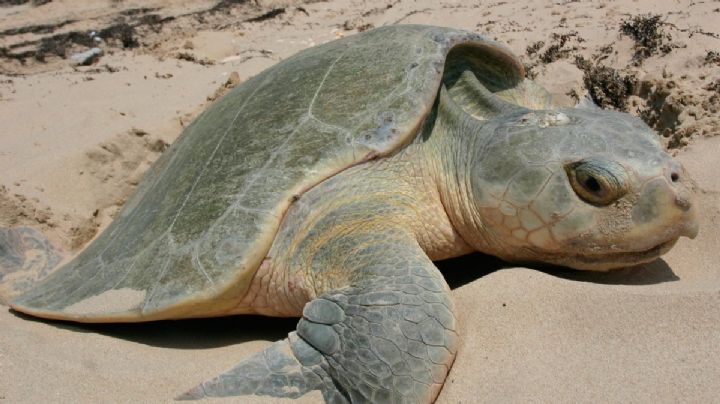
86 58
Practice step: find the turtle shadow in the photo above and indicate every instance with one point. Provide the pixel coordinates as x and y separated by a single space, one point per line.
462 270
468 268
652 273
201 333
218 332
223 331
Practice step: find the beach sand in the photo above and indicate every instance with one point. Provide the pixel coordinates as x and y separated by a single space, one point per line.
77 139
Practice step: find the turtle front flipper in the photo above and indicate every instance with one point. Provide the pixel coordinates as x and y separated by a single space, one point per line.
387 337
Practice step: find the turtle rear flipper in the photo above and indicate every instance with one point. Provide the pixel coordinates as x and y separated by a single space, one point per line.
388 337
26 256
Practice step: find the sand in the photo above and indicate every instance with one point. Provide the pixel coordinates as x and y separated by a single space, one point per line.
76 140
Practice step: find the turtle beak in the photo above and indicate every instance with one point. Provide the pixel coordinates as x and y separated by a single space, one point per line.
691 226
684 196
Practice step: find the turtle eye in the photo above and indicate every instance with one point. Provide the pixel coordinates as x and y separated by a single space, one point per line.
598 182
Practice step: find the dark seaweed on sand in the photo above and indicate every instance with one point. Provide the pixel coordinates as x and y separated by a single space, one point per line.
648 34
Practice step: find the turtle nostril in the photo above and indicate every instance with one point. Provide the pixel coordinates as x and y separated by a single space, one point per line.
683 202
674 177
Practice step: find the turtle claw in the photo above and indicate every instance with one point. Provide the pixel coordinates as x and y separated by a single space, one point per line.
316 328
320 336
323 311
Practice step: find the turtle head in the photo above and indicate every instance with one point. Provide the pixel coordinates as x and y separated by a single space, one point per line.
582 187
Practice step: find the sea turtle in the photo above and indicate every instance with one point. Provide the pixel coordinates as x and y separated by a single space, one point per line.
325 187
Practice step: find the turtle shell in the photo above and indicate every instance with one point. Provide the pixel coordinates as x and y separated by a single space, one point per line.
189 241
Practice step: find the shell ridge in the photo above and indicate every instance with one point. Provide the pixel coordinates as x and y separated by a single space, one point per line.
154 287
214 152
199 265
156 180
168 232
322 82
236 203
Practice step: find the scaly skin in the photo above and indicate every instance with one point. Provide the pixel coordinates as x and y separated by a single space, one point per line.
268 204
488 176
379 326
378 197
505 183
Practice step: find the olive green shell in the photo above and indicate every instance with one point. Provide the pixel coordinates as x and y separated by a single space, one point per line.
189 241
